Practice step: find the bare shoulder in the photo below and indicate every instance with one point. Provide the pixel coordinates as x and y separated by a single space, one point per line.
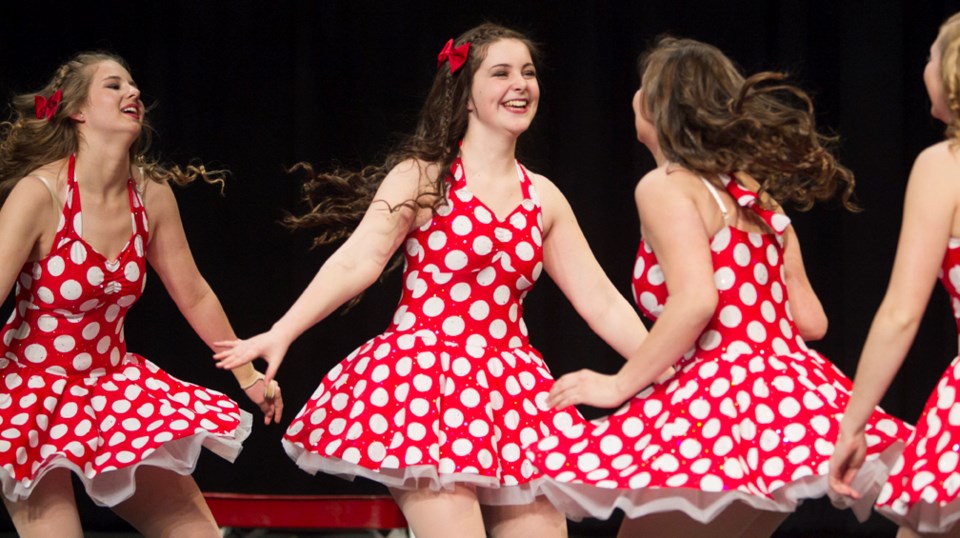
937 166
664 181
158 197
551 198
941 154
29 194
543 185
413 174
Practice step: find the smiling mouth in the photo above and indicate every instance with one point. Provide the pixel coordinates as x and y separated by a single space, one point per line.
517 104
131 110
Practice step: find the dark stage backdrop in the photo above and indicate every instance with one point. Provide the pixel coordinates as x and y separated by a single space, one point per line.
257 86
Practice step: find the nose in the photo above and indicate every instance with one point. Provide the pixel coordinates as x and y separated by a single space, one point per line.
134 92
519 81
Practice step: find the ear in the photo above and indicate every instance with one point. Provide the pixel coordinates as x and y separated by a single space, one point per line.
78 117
470 105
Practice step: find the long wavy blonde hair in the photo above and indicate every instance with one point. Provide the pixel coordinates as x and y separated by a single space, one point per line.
28 142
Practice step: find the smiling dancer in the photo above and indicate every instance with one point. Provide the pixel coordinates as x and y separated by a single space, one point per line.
83 211
440 406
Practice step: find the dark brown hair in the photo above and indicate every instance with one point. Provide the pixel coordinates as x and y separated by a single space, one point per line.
338 199
711 120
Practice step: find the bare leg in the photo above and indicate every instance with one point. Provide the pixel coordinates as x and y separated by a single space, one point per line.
764 525
167 504
441 514
51 509
905 532
737 519
538 518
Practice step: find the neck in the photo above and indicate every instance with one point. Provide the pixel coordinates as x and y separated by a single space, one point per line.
495 154
103 166
657 154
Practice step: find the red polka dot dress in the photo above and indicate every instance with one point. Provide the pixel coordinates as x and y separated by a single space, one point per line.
922 491
453 391
72 396
751 414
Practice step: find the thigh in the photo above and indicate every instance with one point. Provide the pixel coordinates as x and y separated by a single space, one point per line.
441 514
905 532
167 504
736 520
539 518
51 509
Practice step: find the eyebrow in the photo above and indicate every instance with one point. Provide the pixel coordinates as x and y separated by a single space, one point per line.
118 77
528 64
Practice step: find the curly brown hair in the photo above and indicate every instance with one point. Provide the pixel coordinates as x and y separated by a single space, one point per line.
711 120
338 199
26 142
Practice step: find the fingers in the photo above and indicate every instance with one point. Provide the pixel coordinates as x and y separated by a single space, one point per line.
563 394
272 367
277 405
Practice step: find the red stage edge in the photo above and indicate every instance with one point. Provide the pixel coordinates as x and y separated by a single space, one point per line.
305 511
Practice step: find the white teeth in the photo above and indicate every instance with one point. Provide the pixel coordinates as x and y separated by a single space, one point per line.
516 103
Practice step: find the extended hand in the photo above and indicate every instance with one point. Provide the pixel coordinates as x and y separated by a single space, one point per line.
267 397
235 353
848 456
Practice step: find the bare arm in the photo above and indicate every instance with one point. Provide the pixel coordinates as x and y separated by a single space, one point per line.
25 218
572 266
170 256
674 228
350 270
807 311
929 213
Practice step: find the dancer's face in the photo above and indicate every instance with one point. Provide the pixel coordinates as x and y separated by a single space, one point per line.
113 101
934 82
505 91
646 132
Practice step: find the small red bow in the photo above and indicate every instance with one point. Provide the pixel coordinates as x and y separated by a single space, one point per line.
46 108
457 56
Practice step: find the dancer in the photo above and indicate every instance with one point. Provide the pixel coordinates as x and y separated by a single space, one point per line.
921 492
83 210
752 413
440 406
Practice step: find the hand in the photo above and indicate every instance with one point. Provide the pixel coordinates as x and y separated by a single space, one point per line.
848 456
585 387
265 391
269 345
267 397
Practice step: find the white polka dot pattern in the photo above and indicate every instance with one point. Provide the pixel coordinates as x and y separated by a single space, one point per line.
924 486
453 386
74 396
750 410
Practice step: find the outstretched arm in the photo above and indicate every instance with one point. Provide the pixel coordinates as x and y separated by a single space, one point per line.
928 217
351 269
675 230
170 256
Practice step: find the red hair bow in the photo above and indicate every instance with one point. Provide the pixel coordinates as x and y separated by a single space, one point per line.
457 56
46 108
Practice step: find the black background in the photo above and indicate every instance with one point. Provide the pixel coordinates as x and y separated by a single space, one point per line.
257 86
